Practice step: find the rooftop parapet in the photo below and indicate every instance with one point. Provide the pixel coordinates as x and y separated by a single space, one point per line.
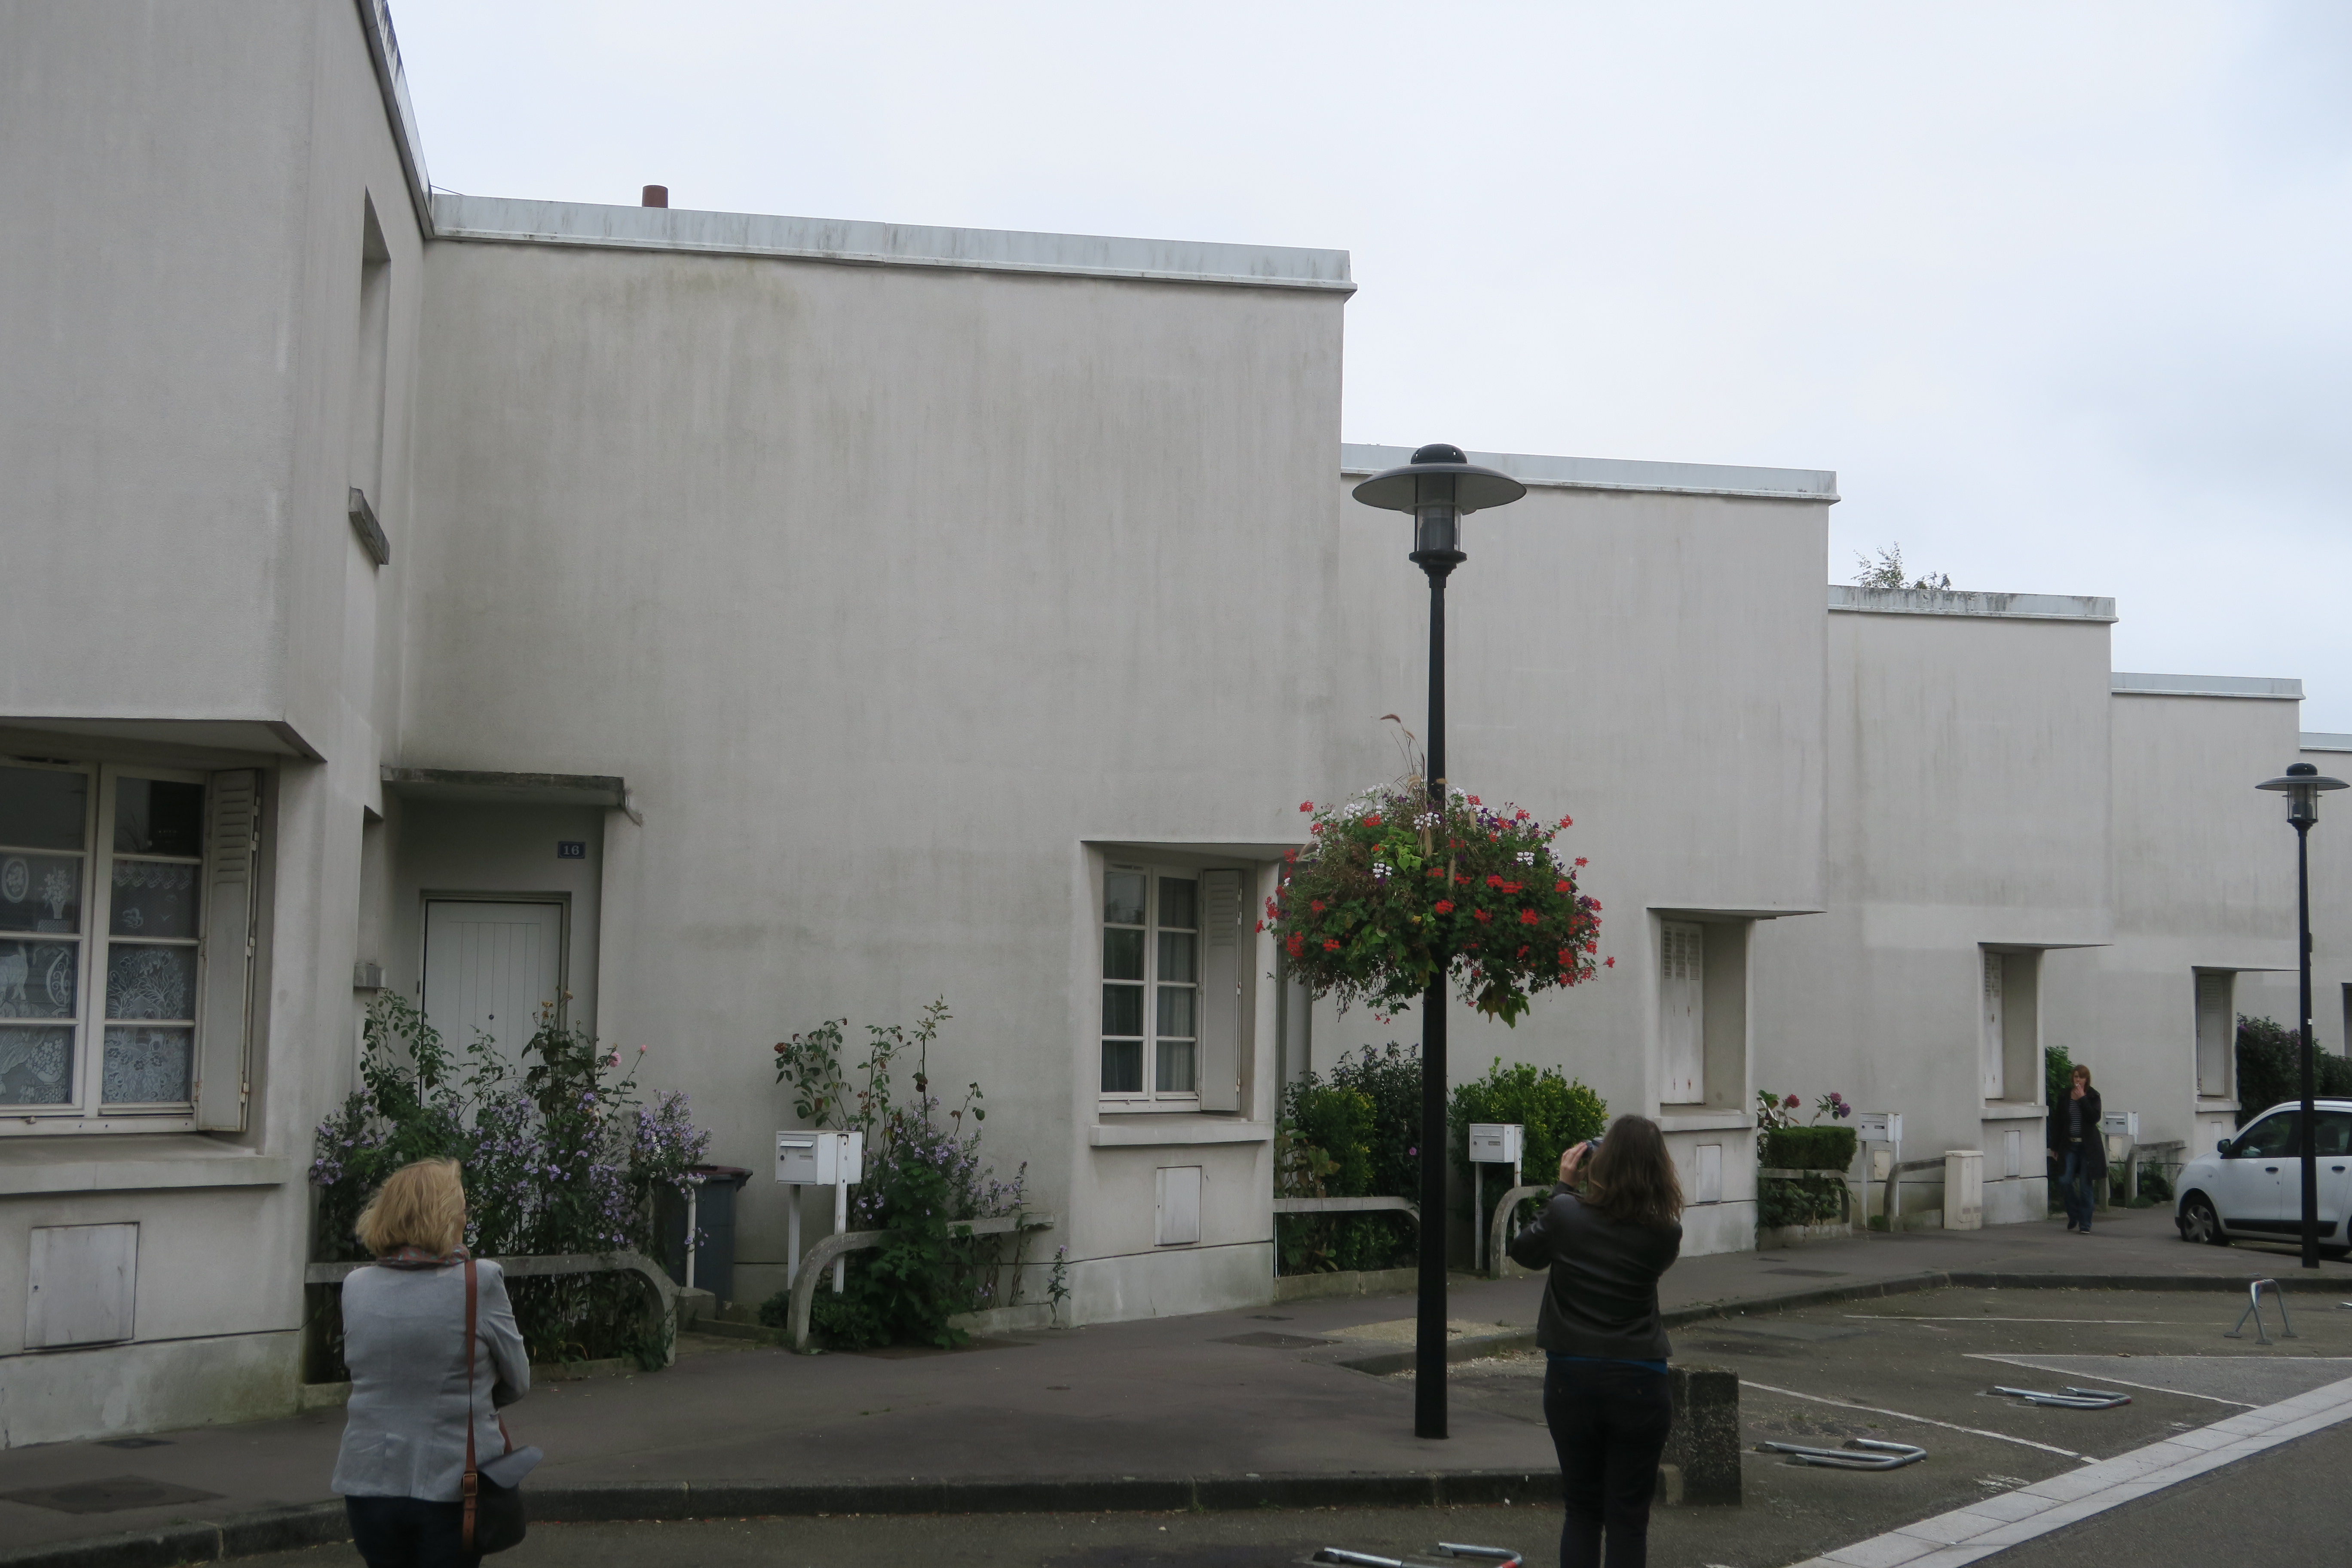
2264 688
860 243
1947 602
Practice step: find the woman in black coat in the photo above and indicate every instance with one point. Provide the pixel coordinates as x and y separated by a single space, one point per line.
1605 1394
2077 1148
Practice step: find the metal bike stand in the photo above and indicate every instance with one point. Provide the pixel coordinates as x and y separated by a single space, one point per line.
1446 1553
2254 1311
1878 1457
2070 1398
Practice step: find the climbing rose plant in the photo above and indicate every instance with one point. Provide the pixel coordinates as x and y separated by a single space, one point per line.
1389 892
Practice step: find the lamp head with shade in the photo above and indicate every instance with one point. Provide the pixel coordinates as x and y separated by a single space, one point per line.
1438 488
2302 784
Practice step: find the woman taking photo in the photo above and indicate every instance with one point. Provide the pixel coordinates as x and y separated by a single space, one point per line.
405 1452
1605 1396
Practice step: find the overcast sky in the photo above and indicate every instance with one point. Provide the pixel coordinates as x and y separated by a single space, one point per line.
2063 292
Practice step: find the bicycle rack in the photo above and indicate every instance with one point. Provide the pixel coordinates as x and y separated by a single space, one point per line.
1447 1552
2070 1398
2254 1311
1881 1455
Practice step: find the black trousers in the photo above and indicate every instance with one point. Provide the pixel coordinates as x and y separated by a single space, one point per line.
409 1532
1608 1421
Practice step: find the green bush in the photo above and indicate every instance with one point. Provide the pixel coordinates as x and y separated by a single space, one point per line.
2057 1075
1808 1200
2269 1068
1353 1135
1808 1148
1558 1112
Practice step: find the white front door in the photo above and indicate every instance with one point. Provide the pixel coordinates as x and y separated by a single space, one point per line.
489 969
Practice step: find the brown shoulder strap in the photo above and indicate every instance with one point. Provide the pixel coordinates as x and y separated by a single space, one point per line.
471 1486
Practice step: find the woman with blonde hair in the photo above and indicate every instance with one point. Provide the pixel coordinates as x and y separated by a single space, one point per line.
424 1392
1605 1393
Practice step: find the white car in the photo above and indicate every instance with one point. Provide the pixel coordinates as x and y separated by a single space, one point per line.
2251 1187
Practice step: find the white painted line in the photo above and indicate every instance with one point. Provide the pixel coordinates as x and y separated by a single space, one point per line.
1904 1318
1921 1420
2152 1387
1971 1534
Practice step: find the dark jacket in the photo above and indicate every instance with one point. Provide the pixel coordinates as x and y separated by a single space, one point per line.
1601 1299
2091 1134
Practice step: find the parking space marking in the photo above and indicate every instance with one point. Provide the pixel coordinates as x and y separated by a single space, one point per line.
1910 1318
1971 1534
1922 1420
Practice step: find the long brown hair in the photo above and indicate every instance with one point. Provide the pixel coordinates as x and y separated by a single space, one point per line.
1631 1177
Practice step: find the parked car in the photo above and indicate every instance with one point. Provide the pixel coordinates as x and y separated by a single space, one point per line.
2251 1187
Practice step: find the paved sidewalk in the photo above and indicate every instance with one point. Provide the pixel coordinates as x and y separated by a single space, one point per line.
1220 1409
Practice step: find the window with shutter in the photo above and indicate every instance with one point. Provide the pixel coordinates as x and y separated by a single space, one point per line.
1682 1011
1994 1048
2215 1017
116 1001
1173 992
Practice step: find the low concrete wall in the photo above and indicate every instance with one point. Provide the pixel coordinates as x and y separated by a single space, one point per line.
1346 1282
60 1396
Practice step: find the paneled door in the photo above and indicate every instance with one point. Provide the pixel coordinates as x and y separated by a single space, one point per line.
489 968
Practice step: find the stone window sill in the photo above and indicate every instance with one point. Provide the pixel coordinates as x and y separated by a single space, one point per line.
1160 1131
133 1163
1676 1121
2004 1110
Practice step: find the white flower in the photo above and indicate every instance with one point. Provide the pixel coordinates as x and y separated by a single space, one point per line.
1380 869
1526 856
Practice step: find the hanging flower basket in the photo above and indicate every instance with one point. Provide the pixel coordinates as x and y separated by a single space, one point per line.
1389 891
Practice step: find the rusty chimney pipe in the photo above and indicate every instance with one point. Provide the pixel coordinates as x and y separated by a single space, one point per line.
656 195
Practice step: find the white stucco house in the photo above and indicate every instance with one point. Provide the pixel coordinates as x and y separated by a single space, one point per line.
728 622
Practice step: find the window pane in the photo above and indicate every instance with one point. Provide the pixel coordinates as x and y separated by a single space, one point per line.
1176 901
1123 897
145 1067
1176 955
2335 1134
43 810
37 979
158 816
1122 955
1176 1010
2271 1136
35 1065
1122 1066
153 898
40 892
150 982
1122 1010
1176 1067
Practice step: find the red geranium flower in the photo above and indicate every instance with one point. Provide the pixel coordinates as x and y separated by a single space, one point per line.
1317 905
1372 821
1445 906
1314 827
1296 944
1481 916
1529 917
1562 886
1290 856
1331 945
1305 806
1609 963
1493 881
1474 800
1580 859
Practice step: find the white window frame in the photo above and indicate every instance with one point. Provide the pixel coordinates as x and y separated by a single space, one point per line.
1682 1013
1151 1096
2226 1067
84 1111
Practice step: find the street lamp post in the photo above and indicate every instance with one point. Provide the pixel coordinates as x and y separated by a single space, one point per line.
1439 487
2301 785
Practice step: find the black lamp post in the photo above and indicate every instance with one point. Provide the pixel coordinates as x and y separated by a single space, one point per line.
1438 488
2301 785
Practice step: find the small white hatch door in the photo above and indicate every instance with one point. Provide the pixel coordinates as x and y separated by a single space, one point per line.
491 967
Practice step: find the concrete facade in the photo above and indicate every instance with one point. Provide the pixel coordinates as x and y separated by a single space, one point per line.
811 618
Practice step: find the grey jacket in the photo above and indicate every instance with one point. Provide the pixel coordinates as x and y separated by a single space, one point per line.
404 1340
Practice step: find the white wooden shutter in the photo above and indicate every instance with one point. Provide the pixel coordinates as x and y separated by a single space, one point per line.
2213 1035
1995 1044
1221 1023
232 837
1682 1010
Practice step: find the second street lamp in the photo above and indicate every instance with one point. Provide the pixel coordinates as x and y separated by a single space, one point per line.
1439 488
2301 785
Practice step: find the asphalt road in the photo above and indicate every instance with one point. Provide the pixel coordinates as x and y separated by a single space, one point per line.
1915 1369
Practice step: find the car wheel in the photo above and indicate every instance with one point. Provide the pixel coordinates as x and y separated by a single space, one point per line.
2198 1223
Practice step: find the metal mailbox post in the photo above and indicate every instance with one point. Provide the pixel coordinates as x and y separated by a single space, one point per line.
818 1159
1491 1144
1881 1127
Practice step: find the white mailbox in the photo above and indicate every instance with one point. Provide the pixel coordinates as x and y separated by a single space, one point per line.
1496 1142
821 1159
1878 1126
2121 1124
